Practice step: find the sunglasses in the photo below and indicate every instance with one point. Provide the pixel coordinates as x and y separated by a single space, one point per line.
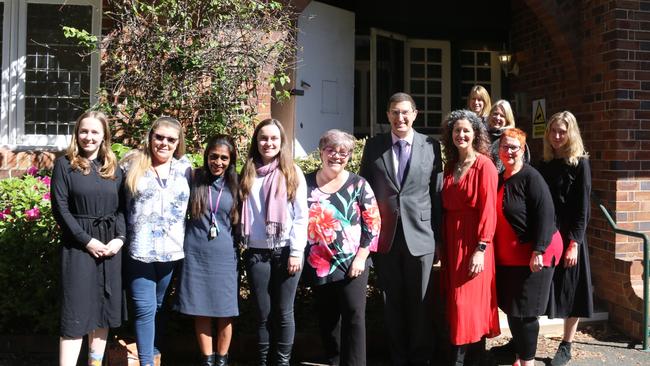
161 138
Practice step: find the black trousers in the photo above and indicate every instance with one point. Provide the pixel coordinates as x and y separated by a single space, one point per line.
405 282
524 334
342 319
274 292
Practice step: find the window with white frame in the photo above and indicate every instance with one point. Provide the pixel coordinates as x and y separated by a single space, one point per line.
47 81
480 67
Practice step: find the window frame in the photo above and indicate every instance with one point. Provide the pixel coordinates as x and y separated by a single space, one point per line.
12 118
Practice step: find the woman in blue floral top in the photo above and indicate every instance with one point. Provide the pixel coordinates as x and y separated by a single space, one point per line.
343 229
157 195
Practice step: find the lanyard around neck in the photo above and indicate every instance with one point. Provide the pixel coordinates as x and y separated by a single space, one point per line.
213 212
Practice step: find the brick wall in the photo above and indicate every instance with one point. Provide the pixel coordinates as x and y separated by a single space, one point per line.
593 58
15 163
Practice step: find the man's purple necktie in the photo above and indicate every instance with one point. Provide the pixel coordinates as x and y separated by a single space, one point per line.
403 158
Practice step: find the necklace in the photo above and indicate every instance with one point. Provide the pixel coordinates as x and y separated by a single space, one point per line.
468 161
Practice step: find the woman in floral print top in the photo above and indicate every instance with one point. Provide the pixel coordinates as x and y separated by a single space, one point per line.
343 229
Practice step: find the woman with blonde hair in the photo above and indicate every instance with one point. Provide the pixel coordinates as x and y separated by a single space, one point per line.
274 218
479 102
501 118
568 175
87 205
157 197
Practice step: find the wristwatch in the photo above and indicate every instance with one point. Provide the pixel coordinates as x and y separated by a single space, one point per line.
481 247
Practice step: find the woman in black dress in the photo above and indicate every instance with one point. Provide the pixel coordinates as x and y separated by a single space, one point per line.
208 280
566 170
87 205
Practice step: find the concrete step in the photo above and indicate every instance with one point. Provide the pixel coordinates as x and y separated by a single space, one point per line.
553 327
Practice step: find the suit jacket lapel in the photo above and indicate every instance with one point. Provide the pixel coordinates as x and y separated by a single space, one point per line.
387 156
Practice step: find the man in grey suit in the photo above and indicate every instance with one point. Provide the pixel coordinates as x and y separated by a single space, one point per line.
404 169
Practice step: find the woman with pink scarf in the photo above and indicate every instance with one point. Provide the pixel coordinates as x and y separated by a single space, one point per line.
274 230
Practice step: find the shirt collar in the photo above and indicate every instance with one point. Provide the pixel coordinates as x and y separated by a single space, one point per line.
408 138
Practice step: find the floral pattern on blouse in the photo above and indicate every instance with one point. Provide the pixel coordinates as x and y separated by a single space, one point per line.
340 224
156 215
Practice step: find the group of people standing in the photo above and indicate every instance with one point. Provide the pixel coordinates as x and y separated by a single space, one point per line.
507 236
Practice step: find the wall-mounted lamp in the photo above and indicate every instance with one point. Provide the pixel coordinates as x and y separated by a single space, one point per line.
508 64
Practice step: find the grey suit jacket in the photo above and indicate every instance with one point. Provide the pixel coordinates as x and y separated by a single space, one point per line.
417 201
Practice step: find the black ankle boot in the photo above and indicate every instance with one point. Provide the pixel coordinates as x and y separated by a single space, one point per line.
221 360
262 353
208 360
283 354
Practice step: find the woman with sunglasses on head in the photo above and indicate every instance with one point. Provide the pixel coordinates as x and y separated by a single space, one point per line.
208 279
88 206
343 229
274 229
157 185
527 244
566 170
469 201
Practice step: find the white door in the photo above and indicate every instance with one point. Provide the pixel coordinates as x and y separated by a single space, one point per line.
325 73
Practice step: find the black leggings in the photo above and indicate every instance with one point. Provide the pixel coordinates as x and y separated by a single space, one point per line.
274 291
524 334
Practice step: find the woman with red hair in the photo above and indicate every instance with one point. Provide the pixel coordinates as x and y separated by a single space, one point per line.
527 245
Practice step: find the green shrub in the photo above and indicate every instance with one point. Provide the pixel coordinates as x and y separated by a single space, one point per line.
311 162
29 258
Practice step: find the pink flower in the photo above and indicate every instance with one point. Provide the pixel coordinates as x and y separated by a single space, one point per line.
32 170
322 225
4 213
45 180
46 196
319 258
33 214
372 219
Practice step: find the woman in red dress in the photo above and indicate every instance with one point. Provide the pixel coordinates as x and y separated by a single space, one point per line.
469 201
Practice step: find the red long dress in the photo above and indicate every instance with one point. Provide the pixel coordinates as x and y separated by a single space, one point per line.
470 217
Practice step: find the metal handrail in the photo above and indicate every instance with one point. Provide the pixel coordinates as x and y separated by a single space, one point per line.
646 267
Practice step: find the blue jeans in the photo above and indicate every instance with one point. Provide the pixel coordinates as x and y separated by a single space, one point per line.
148 283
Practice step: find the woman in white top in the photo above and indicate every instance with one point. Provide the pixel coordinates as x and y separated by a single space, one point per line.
157 195
274 228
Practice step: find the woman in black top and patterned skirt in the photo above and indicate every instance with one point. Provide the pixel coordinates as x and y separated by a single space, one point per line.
566 170
87 205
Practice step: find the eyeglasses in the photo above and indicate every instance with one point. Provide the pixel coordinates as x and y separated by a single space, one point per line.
397 113
333 153
510 148
161 138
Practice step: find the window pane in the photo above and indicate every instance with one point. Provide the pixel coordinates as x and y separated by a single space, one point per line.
484 75
57 79
434 71
483 58
434 55
417 70
417 54
417 86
